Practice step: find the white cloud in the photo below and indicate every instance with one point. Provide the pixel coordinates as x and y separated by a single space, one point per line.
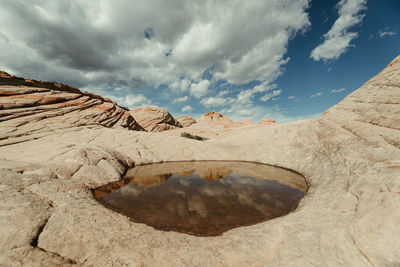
180 99
335 91
270 95
242 105
223 93
386 32
200 89
316 94
338 39
132 101
180 86
218 101
294 98
187 108
144 44
263 87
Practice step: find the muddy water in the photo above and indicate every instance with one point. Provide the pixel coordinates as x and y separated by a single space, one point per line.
204 198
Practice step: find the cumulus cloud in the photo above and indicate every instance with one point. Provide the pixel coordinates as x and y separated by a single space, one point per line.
338 39
144 44
180 86
199 89
243 105
335 91
181 99
218 101
187 108
316 94
132 101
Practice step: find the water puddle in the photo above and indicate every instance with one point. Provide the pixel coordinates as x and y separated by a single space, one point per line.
203 198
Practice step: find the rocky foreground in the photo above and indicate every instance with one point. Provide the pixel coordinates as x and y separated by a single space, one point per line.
56 144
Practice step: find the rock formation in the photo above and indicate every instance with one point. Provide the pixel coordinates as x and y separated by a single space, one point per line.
267 121
48 164
209 125
214 117
186 121
155 119
30 109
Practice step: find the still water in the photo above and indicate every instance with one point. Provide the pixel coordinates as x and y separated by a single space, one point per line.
203 198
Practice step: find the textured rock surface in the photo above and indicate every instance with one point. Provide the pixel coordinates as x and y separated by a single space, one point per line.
30 109
155 119
350 215
186 121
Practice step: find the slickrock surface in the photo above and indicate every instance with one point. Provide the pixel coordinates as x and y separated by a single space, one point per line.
350 215
186 121
155 119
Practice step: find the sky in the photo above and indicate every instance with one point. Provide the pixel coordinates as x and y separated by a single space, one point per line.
281 59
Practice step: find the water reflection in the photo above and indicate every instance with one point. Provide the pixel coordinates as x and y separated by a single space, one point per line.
203 198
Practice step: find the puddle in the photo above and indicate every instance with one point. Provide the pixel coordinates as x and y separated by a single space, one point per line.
203 198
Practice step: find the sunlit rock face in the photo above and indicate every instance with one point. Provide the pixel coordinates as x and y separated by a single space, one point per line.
186 121
203 198
155 119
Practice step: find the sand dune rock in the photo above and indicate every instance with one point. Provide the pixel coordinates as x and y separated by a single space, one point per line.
350 157
155 119
186 121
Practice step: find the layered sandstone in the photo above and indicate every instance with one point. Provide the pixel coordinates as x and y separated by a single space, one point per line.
214 117
155 119
30 109
186 121
349 216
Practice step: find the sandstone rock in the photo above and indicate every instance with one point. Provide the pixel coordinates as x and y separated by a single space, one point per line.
267 121
349 156
210 125
186 121
30 109
237 124
155 119
214 117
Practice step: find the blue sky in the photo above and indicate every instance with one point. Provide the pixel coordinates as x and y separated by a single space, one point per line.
279 59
